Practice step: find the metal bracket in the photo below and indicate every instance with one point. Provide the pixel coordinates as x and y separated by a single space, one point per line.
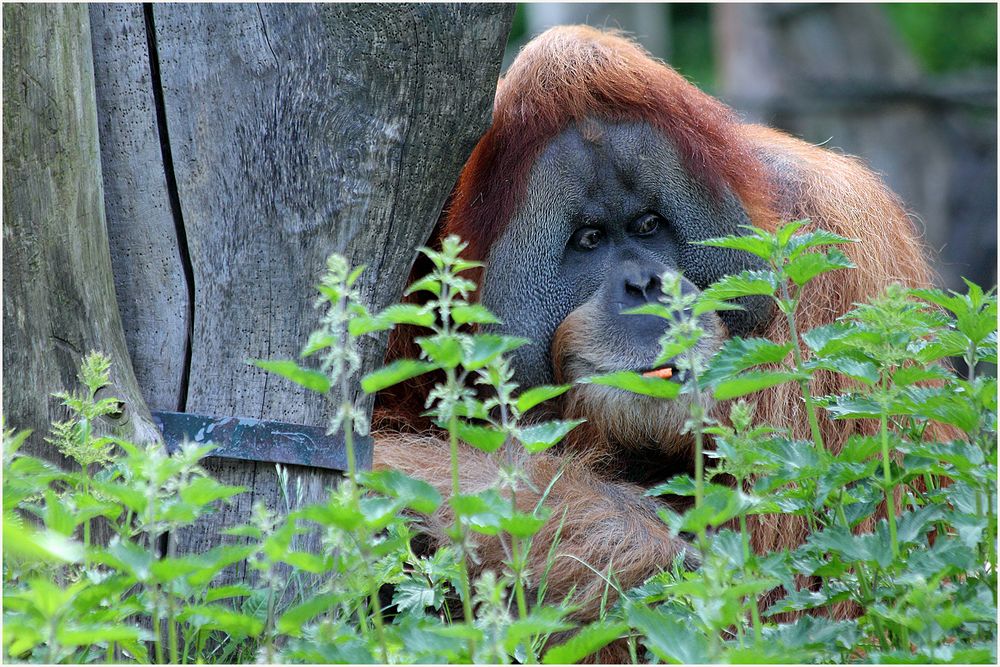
259 440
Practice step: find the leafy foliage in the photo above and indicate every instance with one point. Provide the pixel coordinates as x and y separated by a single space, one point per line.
922 579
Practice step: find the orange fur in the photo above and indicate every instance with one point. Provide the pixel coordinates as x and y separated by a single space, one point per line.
566 76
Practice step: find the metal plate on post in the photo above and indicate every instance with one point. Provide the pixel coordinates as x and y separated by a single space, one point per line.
260 440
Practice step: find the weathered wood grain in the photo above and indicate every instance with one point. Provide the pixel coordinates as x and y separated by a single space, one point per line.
291 131
58 293
147 257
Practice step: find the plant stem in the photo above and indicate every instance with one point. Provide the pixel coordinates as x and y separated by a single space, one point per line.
793 335
375 609
268 633
745 538
970 362
86 490
698 418
859 571
890 502
154 590
522 604
456 490
633 651
157 626
352 465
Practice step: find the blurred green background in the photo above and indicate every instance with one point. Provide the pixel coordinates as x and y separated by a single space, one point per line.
943 36
911 88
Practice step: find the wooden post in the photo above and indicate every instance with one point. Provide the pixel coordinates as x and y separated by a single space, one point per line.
242 144
58 296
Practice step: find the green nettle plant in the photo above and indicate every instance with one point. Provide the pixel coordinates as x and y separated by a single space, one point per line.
92 574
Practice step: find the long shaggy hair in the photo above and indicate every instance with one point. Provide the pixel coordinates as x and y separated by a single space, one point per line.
568 75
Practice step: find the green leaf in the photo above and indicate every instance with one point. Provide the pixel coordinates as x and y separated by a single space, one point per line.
532 397
785 232
738 354
851 406
379 512
308 562
204 490
940 404
522 525
128 557
44 546
484 438
720 504
486 347
293 620
333 514
585 642
473 313
975 312
809 265
227 592
859 448
396 372
913 526
821 636
968 527
819 338
655 309
306 377
358 325
408 313
319 340
444 350
458 632
945 344
713 306
253 532
745 283
870 547
540 621
751 382
174 568
213 561
947 557
678 485
355 273
636 383
482 511
465 264
425 284
94 633
840 475
217 617
908 375
801 600
755 245
540 437
670 637
858 369
416 595
799 243
416 494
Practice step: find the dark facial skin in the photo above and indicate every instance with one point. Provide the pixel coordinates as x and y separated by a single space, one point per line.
609 208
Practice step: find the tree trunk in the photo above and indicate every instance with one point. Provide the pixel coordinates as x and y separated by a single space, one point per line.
242 145
58 295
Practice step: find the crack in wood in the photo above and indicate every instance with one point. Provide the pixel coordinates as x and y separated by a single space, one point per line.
175 202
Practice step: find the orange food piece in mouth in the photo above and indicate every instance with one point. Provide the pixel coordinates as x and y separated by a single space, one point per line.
665 373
